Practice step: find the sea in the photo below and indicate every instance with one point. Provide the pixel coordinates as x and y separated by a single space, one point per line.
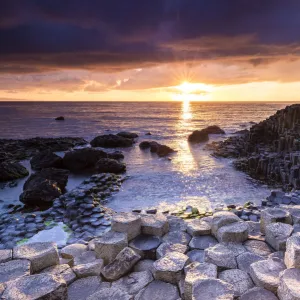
191 177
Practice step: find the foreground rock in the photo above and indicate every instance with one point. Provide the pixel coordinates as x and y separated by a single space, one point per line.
12 171
42 286
82 159
111 141
41 255
289 285
199 136
64 271
159 149
277 235
145 245
46 159
108 165
14 269
258 294
127 223
292 254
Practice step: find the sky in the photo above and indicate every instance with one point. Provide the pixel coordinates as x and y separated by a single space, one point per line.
150 50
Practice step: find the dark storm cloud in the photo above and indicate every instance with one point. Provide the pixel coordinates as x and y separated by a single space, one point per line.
114 35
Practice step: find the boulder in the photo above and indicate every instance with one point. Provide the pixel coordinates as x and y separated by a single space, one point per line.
5 255
265 273
177 237
40 286
73 251
221 219
121 265
245 259
202 242
214 129
144 265
111 141
158 290
169 268
199 136
41 255
14 269
165 248
12 171
110 245
236 248
128 223
196 272
145 245
258 293
196 255
116 155
108 165
83 288
110 293
45 159
176 224
212 289
198 227
277 235
239 279
236 232
85 258
289 286
89 269
60 118
61 270
274 215
159 149
154 224
221 256
128 135
82 159
292 254
258 247
134 282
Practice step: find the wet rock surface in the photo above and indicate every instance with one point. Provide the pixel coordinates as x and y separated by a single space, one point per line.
46 159
12 170
111 141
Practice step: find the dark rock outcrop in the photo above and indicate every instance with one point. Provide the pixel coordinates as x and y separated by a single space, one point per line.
159 149
128 135
111 141
60 118
45 159
82 159
22 149
271 150
199 136
11 171
108 165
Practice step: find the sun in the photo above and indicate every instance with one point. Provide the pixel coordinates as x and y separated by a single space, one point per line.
186 87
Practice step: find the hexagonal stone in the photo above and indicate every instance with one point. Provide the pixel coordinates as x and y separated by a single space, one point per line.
72 251
221 256
61 270
134 282
240 281
110 293
236 232
169 268
195 272
89 269
236 248
265 273
41 255
258 293
85 258
202 242
292 254
158 290
5 255
165 248
245 259
274 215
196 255
254 230
198 227
176 224
277 254
289 286
177 237
144 265
221 219
277 235
258 247
121 265
145 245
13 269
84 287
39 286
110 245
155 224
212 289
127 223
